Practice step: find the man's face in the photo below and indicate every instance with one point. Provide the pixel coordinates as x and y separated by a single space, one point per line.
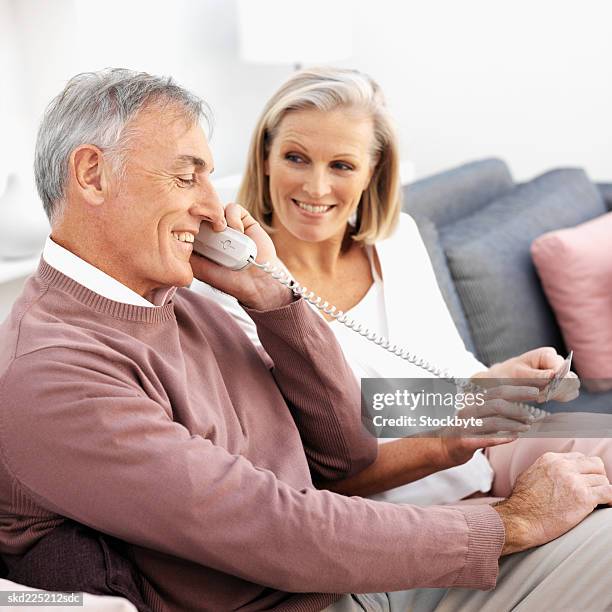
155 210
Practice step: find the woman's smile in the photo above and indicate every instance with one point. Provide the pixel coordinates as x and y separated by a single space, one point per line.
312 209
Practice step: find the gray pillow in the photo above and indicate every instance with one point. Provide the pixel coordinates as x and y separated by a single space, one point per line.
606 192
508 206
491 264
448 196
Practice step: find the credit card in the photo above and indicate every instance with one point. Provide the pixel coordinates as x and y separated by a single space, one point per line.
560 374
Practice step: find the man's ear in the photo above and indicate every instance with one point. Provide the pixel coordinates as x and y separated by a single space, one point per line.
89 171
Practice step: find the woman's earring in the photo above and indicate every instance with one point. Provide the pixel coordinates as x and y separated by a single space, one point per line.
352 220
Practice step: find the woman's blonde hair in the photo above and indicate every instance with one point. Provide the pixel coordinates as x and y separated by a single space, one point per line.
326 89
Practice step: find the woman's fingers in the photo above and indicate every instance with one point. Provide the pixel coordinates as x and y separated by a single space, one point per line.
516 412
501 424
496 424
568 389
500 407
514 393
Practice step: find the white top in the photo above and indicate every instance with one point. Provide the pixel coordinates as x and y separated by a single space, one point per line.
409 310
371 312
95 280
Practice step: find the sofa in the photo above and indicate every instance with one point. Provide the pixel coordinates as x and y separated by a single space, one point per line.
478 225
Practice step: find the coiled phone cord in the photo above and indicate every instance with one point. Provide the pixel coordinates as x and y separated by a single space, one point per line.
285 279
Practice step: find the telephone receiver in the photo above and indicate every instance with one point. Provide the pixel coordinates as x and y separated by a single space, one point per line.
229 248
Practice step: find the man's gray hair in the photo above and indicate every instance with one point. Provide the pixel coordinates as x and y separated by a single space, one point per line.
94 108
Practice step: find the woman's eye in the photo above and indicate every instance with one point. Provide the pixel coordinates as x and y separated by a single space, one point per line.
342 166
296 159
187 180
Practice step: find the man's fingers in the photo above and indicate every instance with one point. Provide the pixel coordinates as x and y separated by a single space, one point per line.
596 480
590 465
602 494
233 216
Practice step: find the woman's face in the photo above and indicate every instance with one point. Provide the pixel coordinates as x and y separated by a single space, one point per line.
319 164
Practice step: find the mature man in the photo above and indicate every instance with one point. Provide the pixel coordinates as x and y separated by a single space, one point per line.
144 412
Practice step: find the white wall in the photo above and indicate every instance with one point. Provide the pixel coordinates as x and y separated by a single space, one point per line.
528 81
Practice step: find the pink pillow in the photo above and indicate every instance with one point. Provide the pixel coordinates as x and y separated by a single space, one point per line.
575 266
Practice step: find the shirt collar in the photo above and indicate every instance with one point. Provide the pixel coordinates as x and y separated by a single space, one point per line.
99 282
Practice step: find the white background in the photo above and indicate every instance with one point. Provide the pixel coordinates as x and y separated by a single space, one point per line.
527 81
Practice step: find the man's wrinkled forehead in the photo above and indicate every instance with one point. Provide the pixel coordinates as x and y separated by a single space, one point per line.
168 136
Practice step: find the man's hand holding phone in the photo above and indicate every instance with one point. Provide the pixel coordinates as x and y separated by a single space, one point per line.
251 287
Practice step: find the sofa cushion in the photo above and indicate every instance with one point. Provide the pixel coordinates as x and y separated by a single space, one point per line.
506 207
606 192
446 197
490 262
576 272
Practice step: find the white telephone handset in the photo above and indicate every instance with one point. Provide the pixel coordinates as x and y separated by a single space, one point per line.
229 248
236 251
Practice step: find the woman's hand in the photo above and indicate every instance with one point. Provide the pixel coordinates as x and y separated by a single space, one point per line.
537 367
252 287
503 419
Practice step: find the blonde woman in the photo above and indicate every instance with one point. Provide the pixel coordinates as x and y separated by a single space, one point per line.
322 178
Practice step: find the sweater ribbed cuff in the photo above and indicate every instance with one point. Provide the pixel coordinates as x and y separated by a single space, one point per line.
280 311
485 542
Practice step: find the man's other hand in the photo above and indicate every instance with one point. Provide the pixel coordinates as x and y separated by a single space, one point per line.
553 495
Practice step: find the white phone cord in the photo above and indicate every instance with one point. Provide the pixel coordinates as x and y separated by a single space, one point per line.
284 279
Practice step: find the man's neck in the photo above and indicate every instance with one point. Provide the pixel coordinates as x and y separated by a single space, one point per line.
80 268
99 256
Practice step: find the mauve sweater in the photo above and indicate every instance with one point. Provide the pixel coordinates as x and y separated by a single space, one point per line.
163 427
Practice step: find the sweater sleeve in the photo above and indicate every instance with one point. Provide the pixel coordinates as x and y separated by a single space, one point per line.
89 446
320 388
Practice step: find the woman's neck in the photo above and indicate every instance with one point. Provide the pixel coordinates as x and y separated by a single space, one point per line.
317 257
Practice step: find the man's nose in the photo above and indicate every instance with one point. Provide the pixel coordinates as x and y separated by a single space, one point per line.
208 206
317 184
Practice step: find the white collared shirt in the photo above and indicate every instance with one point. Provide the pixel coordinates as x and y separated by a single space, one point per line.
95 280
